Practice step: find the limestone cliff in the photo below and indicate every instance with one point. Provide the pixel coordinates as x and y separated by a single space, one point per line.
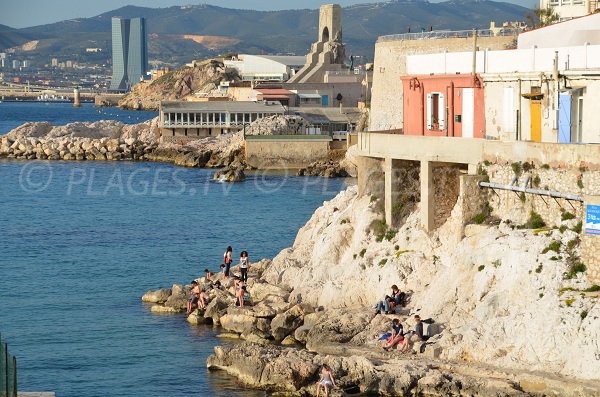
499 294
202 78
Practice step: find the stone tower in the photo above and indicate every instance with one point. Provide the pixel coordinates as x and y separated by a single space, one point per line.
328 53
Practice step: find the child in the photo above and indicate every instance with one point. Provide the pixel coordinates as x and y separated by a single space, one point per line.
326 381
244 266
194 297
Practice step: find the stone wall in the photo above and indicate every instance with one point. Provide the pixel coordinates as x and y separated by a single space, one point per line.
446 185
517 207
277 153
473 197
370 176
390 64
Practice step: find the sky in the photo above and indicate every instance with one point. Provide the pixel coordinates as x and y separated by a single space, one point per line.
24 13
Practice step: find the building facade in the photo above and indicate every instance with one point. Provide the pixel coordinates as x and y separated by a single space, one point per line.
568 9
266 67
185 121
130 52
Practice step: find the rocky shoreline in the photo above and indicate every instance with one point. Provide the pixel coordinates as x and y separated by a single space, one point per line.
312 304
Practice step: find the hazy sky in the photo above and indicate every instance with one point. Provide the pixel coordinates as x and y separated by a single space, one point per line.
23 13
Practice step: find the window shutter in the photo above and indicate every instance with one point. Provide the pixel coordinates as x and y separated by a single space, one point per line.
442 112
429 111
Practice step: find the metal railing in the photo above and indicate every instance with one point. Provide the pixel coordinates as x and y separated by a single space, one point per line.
450 34
8 372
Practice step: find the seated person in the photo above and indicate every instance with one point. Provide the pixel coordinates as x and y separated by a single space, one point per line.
208 273
419 330
389 303
222 268
202 299
397 335
192 303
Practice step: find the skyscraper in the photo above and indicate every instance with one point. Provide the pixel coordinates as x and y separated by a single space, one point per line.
129 52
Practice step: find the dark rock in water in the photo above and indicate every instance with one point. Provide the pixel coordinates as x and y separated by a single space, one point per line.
230 175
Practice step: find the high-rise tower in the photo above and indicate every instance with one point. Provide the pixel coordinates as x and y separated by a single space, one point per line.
129 52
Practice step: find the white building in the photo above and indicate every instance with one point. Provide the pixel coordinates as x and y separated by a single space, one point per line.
266 67
574 32
567 9
526 97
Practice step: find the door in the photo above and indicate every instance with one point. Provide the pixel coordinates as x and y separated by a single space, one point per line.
325 100
564 118
536 120
468 112
579 119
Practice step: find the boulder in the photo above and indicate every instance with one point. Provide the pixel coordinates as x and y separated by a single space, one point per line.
179 297
197 318
158 296
160 309
260 291
286 323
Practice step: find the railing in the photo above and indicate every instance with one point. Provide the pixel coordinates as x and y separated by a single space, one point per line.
8 372
450 34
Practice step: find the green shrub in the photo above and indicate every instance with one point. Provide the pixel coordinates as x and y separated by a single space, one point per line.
344 221
390 234
536 181
541 295
567 216
553 246
593 288
481 171
569 302
479 218
563 228
487 163
480 268
535 221
399 205
580 183
497 263
522 196
516 167
539 268
527 166
383 262
396 247
379 229
546 166
577 267
572 244
583 314
374 198
363 252
577 228
354 256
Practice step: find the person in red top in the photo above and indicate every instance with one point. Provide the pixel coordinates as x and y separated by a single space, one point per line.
227 259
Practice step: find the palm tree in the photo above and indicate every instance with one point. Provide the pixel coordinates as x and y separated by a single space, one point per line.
542 17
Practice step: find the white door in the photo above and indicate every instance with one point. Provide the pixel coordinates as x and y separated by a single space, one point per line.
468 112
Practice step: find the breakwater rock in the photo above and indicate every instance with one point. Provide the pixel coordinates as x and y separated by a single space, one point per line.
112 140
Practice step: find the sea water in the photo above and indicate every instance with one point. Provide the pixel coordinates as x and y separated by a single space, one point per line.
80 242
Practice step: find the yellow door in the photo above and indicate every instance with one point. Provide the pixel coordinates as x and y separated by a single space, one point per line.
536 120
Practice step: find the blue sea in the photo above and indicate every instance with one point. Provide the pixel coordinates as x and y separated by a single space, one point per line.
80 242
13 114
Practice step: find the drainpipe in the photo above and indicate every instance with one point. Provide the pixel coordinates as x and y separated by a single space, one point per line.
520 118
474 69
450 121
422 127
555 77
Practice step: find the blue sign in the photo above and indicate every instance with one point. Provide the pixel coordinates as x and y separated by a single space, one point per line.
592 219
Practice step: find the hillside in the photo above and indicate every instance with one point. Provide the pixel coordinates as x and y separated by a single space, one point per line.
288 31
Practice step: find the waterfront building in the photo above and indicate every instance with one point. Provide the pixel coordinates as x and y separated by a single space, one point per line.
69 64
574 32
568 9
129 52
16 64
54 62
183 120
266 67
26 64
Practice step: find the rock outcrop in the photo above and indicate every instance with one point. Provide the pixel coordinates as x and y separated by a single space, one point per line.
278 125
201 79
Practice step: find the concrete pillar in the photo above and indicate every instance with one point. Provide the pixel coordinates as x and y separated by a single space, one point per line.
590 239
391 191
427 213
76 98
472 169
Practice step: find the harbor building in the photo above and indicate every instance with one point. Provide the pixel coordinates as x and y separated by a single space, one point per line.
129 52
184 121
266 67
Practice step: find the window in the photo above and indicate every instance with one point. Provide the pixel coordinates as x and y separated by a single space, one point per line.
436 112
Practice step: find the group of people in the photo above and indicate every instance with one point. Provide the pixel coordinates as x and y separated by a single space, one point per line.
199 297
397 338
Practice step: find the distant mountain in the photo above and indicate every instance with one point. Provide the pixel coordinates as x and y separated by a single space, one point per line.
290 31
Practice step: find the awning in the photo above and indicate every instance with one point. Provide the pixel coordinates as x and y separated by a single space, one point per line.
534 96
278 97
309 96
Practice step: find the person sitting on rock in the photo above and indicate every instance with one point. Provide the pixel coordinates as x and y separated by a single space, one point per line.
208 273
202 299
389 303
419 330
192 303
326 381
397 335
222 267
